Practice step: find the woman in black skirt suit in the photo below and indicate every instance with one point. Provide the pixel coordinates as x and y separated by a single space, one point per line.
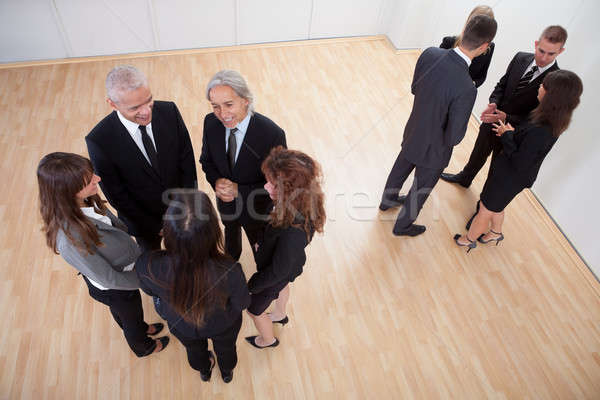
523 151
293 182
199 290
480 64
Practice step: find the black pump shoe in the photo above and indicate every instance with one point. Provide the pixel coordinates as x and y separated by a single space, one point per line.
252 341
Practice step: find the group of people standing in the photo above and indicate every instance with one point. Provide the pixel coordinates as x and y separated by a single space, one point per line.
530 107
142 157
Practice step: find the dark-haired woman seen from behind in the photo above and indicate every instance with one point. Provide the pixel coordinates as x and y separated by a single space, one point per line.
293 182
480 64
523 151
202 291
80 228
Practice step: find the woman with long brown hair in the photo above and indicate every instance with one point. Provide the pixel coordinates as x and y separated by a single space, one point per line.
201 291
80 228
523 151
293 182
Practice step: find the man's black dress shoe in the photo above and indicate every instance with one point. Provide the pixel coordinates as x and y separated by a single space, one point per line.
205 376
455 178
227 376
386 204
411 230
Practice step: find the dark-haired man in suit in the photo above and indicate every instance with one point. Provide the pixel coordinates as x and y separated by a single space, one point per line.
140 150
444 97
235 143
513 98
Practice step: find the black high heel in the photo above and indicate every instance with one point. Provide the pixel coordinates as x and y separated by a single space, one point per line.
497 240
282 321
471 245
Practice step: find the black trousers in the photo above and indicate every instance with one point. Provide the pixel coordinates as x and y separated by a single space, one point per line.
425 180
233 236
126 308
149 242
223 344
487 143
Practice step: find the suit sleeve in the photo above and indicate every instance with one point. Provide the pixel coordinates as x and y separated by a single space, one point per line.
498 93
142 269
532 149
97 268
113 185
487 59
239 294
458 117
288 255
187 163
208 164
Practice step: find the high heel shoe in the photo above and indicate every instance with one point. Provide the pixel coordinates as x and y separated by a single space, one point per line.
471 245
282 321
497 240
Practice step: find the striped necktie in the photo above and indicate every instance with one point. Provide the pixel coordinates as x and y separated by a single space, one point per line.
524 81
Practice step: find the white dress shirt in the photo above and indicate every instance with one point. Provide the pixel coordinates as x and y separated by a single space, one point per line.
463 56
240 134
539 71
136 134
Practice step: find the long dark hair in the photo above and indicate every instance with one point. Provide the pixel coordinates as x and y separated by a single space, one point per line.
563 90
297 180
194 244
60 177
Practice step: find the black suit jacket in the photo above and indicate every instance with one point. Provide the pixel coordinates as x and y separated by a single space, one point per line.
156 274
261 136
517 106
523 152
444 97
129 182
479 65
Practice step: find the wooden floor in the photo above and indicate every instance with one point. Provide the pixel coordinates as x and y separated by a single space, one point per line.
373 315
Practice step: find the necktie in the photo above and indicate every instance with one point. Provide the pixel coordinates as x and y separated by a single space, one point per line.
524 81
231 148
149 146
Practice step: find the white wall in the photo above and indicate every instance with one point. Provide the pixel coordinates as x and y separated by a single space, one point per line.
47 29
568 183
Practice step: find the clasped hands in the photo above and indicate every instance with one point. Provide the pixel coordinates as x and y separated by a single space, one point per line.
226 190
491 114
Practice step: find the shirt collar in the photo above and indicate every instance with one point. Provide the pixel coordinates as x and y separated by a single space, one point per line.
541 70
462 55
243 125
131 127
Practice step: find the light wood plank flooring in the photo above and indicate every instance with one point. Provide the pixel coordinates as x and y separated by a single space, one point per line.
373 315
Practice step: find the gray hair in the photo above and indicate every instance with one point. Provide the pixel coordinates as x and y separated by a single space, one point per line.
234 80
123 78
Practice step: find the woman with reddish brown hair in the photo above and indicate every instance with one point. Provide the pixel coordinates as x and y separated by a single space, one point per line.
293 182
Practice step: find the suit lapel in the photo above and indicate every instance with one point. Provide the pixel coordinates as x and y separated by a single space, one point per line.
248 155
219 146
131 147
518 73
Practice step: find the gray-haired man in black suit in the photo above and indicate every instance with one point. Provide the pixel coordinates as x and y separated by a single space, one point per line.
444 97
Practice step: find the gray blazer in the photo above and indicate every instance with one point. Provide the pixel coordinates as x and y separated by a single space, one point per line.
444 97
106 263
